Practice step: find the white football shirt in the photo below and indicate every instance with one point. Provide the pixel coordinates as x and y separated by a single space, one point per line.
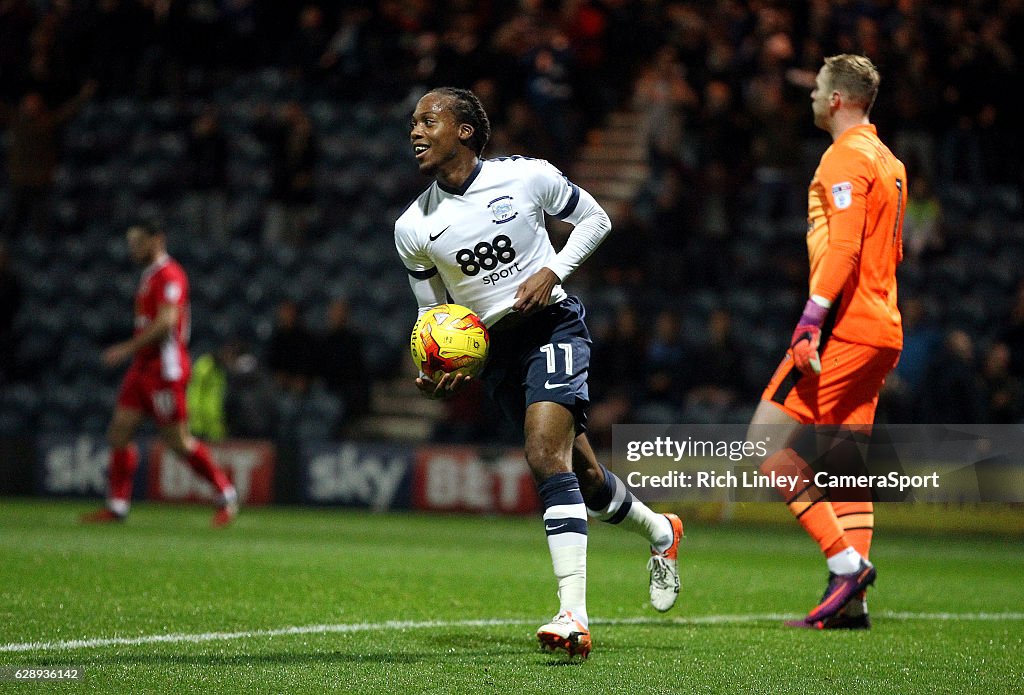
488 237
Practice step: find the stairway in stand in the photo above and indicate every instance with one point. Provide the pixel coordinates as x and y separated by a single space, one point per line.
612 164
398 412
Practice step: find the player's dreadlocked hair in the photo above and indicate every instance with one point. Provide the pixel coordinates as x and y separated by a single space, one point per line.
467 109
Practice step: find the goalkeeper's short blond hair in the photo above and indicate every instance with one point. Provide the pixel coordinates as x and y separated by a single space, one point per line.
855 77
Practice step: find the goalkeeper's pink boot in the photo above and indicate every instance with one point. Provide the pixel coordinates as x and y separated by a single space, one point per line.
841 589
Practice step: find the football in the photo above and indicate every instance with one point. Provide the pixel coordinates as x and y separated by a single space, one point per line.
449 338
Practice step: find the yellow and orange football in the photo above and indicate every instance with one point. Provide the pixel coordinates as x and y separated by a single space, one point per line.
449 339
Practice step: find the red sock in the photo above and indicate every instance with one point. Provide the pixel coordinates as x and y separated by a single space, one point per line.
202 463
123 462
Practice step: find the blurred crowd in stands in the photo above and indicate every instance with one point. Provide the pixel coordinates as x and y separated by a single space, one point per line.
694 293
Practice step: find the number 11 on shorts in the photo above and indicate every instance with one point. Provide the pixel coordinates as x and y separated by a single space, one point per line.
549 355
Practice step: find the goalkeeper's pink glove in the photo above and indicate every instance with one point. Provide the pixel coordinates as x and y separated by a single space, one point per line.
807 337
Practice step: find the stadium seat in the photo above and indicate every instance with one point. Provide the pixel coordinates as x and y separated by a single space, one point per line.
15 423
55 423
78 355
319 415
950 275
699 413
244 216
38 349
326 115
33 251
657 414
22 398
759 367
739 415
745 303
93 422
42 287
249 150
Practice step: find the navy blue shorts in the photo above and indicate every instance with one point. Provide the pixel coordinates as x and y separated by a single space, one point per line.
542 357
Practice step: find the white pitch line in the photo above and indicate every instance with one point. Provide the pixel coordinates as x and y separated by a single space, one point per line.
341 628
902 615
179 638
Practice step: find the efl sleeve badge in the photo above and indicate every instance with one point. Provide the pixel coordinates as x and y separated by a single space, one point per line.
842 195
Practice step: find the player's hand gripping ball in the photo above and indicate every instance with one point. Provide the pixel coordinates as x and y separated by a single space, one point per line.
449 338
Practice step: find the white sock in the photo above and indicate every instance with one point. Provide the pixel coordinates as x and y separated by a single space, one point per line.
844 562
569 560
565 523
656 528
229 496
632 514
118 506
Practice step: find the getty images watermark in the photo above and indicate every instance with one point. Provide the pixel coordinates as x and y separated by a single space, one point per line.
663 447
976 463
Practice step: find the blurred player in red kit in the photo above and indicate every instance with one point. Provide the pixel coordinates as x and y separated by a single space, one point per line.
154 385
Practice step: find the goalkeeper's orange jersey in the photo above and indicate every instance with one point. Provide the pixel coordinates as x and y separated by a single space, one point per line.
855 236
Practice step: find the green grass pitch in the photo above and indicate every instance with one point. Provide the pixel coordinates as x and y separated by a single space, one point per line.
301 600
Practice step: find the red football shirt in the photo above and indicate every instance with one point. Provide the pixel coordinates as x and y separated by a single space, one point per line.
164 282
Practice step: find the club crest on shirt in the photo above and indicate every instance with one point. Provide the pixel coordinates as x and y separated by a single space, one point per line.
842 194
502 209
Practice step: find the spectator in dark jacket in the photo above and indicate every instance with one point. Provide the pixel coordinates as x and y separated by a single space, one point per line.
341 361
32 157
289 353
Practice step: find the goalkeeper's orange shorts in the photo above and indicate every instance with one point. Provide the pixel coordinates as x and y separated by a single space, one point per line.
846 391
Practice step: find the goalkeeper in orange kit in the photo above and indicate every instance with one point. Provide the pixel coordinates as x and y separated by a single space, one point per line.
854 240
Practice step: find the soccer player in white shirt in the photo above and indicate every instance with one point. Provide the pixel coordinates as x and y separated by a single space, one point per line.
477 235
